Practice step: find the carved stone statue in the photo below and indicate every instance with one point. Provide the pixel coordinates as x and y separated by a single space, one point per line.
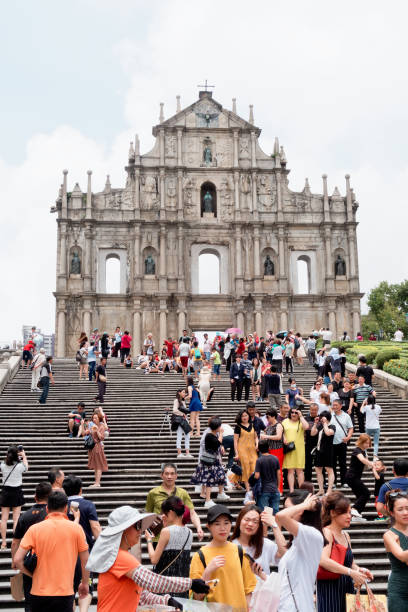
150 266
75 263
207 155
208 202
339 266
269 268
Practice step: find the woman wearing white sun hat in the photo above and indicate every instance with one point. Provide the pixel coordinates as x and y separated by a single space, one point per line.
119 570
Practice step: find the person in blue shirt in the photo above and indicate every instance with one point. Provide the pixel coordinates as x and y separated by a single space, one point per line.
400 469
92 353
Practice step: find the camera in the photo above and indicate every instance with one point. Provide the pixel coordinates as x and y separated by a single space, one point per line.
20 449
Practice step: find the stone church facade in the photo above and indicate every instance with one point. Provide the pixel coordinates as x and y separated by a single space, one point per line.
205 187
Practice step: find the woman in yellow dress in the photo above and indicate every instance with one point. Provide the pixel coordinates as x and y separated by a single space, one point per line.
245 445
294 431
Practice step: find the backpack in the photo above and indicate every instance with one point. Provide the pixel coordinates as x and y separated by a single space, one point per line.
197 353
240 553
297 343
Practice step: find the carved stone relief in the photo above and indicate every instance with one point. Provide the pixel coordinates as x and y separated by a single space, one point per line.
189 192
226 198
171 193
246 188
264 192
170 146
149 192
244 148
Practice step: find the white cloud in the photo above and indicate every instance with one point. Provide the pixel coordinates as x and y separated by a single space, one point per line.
328 79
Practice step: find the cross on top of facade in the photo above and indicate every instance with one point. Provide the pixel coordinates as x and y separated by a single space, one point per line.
206 86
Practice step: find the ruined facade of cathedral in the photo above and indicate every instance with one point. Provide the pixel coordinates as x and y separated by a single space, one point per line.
205 187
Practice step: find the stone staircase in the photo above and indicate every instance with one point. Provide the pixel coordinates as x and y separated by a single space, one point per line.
134 406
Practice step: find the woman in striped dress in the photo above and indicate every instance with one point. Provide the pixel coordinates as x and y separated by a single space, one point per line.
331 594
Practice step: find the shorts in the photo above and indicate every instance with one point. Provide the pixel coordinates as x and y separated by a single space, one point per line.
12 497
216 368
57 603
184 361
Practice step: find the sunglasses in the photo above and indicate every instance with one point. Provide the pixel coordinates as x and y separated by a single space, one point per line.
398 494
138 526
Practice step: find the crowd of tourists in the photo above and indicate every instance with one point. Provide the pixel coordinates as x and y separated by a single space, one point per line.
283 552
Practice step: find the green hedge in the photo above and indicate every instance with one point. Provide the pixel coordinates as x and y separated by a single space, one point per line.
386 355
397 367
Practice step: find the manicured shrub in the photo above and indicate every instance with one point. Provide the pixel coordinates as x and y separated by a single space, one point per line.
386 355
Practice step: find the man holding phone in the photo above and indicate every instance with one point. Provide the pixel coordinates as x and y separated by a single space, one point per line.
158 495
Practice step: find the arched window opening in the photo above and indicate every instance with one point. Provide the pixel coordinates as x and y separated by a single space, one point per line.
209 273
208 198
303 275
112 274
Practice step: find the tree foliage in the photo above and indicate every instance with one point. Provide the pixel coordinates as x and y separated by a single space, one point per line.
388 304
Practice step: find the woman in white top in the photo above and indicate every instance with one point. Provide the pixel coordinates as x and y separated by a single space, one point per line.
12 470
180 411
316 391
249 531
298 567
372 412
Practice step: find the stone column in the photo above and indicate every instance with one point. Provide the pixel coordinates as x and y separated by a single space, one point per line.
333 323
162 192
161 147
238 256
253 149
180 260
180 191
179 150
163 321
352 253
258 318
257 261
281 239
356 323
349 201
254 194
88 258
61 333
284 319
136 348
63 250
236 189
163 254
235 132
240 321
326 207
87 322
181 316
137 193
279 196
137 260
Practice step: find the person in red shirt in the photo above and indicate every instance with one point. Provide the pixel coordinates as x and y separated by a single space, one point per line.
241 347
169 343
123 582
125 346
28 353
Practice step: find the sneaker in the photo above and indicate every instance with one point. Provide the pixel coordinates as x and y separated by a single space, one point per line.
383 519
223 497
249 497
70 435
189 456
358 519
181 456
356 513
209 504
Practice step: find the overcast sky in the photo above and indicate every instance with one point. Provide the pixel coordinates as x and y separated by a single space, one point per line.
80 79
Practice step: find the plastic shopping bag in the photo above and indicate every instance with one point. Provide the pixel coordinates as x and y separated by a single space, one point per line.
266 595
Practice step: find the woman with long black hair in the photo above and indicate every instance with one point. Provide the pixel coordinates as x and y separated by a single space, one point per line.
12 470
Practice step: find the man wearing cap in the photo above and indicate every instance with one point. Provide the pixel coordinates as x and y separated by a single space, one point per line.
57 542
119 571
158 495
36 364
223 561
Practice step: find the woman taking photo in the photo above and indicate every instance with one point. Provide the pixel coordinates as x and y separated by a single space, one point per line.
249 532
274 434
245 445
396 545
12 470
96 455
358 460
297 569
331 592
294 434
172 554
181 411
195 407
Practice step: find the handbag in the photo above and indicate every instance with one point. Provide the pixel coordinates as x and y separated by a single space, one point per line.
366 603
289 447
207 458
102 378
338 553
185 426
16 587
175 421
30 561
89 442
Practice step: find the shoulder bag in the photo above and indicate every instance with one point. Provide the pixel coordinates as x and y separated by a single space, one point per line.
10 473
338 553
208 458
337 421
291 591
89 442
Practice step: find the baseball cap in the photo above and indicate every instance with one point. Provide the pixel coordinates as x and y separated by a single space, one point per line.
218 510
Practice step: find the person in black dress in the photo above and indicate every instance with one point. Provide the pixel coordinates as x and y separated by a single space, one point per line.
358 460
324 450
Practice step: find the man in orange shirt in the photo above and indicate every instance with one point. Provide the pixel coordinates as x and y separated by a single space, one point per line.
57 543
